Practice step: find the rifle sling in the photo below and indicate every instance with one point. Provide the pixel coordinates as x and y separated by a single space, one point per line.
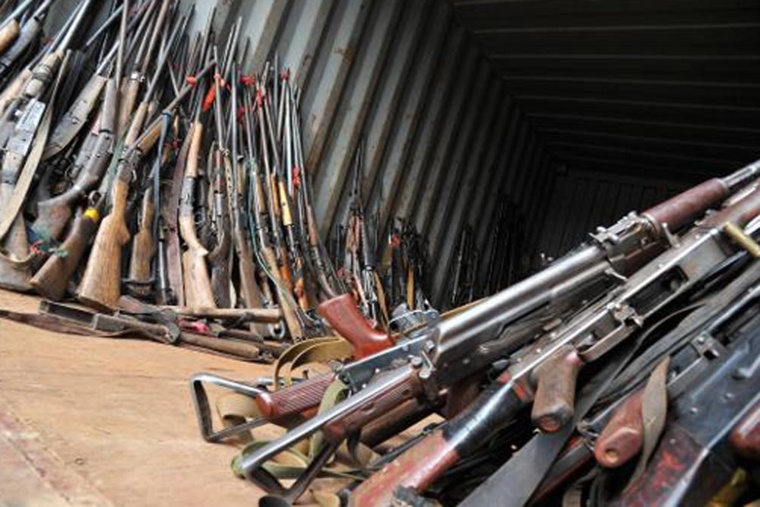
13 207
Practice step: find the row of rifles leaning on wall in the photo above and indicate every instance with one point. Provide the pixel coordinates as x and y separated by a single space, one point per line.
147 175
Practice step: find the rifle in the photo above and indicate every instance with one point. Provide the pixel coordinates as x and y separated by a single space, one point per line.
273 253
53 214
614 433
20 159
101 282
547 371
431 359
695 458
198 291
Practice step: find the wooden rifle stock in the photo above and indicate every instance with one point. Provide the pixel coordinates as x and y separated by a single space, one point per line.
288 311
8 35
101 282
143 247
198 291
344 317
52 279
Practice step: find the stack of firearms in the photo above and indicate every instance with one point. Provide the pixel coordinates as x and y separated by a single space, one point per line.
145 172
624 373
390 292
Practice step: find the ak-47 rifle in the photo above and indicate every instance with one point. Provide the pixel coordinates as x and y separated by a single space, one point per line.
612 429
101 282
546 373
431 359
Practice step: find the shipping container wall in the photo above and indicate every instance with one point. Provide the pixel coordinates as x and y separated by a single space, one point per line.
444 141
582 201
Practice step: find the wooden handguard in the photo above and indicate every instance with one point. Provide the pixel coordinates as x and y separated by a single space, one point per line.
687 206
623 436
294 399
407 388
344 317
745 438
554 402
143 247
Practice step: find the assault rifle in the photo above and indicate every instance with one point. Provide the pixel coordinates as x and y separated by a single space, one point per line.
545 373
432 358
612 432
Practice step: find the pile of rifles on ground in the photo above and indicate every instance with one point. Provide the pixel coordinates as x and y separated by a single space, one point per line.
145 173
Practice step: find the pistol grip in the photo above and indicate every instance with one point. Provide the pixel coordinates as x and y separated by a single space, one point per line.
343 316
294 399
623 436
554 401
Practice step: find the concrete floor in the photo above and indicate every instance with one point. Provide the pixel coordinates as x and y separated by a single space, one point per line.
97 421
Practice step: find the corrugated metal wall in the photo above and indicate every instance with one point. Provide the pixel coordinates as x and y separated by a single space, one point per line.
444 140
581 201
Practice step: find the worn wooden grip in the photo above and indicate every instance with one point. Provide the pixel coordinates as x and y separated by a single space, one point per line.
53 277
138 119
101 282
129 89
194 153
294 399
554 402
407 388
745 437
623 436
344 317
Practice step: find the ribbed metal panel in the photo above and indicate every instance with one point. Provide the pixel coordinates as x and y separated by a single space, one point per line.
582 201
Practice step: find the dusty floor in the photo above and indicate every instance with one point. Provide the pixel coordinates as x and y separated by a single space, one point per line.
94 421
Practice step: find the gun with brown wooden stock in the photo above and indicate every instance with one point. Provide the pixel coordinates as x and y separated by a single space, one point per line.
698 454
101 282
615 432
545 375
434 358
53 214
